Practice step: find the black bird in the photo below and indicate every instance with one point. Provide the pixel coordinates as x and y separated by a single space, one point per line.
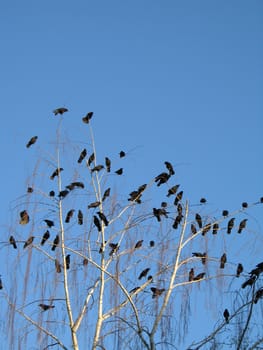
169 168
97 168
156 292
80 217
132 291
193 229
31 141
106 194
138 244
159 212
85 262
203 256
56 173
51 193
136 195
202 200
58 266
199 277
55 242
108 164
152 244
82 155
206 229
260 265
103 218
198 220
29 241
1 283
223 260
257 271
249 282
24 218
226 315
77 184
69 215
114 248
62 194
49 223
178 197
172 190
239 270
13 241
87 117
242 225
179 209
177 221
225 213
215 228
144 273
122 154
191 275
94 204
119 171
68 261
244 205
60 110
45 307
97 223
91 159
30 189
45 237
164 204
258 295
230 225
162 178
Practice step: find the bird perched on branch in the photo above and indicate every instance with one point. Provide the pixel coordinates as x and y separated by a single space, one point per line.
226 315
97 223
122 154
114 248
97 168
258 295
144 273
56 173
223 260
24 217
119 171
230 225
199 277
138 244
103 218
12 241
57 266
193 229
159 212
68 261
206 229
45 307
162 178
82 155
239 270
69 215
198 220
215 228
108 164
157 292
77 184
45 237
31 141
29 241
91 159
172 190
55 243
94 204
191 275
242 225
87 117
169 168
49 223
249 282
60 110
106 194
178 197
80 217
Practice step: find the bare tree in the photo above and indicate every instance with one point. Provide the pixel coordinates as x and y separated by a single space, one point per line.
96 266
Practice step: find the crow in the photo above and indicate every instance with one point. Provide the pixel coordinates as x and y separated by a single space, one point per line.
24 217
62 194
49 223
80 217
45 307
225 213
230 225
249 282
198 220
94 204
178 197
1 283
87 117
13 241
68 261
202 200
77 184
226 315
103 218
179 209
144 273
242 225
85 262
114 248
206 229
239 270
134 290
191 275
172 190
60 110
223 260
177 221
199 277
119 171
122 154
162 178
51 194
138 244
31 141
82 155
97 168
55 243
97 223
159 212
91 159
203 256
30 189
45 237
152 244
244 205
215 228
108 164
56 173
106 194
69 215
258 295
156 292
169 168
193 229
29 241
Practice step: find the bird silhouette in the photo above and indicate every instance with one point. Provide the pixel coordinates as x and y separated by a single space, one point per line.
122 154
138 244
215 228
169 168
29 241
162 178
193 229
108 164
51 193
258 295
223 261
106 194
191 275
230 225
103 218
45 307
31 141
203 200
97 168
156 292
206 229
45 237
77 184
55 242
198 220
69 215
144 273
225 213
97 223
82 155
239 270
24 218
49 223
172 190
94 204
159 212
244 205
56 173
80 217
114 248
30 190
152 244
60 110
119 171
87 117
91 159
67 261
242 225
249 282
12 241
199 277
62 194
178 197
226 315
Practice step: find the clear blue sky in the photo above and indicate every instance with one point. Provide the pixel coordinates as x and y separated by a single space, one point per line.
167 80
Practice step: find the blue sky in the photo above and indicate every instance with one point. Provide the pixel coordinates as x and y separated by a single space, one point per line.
166 80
